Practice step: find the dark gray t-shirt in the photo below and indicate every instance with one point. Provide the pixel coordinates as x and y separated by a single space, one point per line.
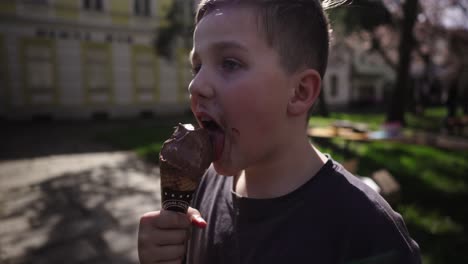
332 218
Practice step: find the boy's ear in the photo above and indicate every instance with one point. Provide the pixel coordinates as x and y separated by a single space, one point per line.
304 92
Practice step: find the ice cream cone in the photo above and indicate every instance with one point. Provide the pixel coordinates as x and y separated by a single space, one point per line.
183 160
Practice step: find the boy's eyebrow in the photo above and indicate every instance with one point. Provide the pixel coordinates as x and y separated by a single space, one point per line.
223 45
218 47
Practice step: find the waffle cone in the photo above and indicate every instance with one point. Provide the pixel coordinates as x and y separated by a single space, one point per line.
177 190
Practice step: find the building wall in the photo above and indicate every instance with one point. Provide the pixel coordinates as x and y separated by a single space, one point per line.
355 77
336 84
4 78
60 60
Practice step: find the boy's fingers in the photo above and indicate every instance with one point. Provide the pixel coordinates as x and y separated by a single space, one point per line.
195 218
177 261
149 217
171 220
156 256
171 237
152 238
171 253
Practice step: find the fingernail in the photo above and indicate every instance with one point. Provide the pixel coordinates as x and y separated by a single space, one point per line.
199 222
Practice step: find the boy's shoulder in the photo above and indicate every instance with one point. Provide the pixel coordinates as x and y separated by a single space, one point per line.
373 225
355 198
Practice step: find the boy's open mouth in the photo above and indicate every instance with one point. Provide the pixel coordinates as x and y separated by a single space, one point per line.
216 133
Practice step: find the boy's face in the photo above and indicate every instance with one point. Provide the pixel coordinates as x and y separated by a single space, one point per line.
239 84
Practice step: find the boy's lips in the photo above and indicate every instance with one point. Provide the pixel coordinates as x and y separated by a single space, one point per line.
216 132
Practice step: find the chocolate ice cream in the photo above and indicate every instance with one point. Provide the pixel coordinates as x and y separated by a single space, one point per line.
183 160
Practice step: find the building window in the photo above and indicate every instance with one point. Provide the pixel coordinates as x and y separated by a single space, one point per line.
97 72
35 2
3 73
334 85
145 74
93 5
39 71
142 7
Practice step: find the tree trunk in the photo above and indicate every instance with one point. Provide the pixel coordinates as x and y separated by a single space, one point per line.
396 111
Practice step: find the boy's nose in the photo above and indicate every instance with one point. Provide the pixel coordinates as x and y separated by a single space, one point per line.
200 87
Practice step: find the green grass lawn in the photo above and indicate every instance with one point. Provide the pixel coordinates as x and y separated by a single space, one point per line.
145 138
434 181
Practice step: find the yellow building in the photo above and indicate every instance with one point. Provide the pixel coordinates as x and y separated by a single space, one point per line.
79 58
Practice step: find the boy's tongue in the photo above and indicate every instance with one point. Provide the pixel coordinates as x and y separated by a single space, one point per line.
217 139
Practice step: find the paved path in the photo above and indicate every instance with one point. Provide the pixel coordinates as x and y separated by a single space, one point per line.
58 206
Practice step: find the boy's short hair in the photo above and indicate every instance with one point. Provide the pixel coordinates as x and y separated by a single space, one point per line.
297 29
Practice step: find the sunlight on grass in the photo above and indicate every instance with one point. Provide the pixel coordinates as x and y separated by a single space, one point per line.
442 170
434 182
430 173
145 140
320 121
445 157
431 120
150 151
430 221
373 120
436 112
446 185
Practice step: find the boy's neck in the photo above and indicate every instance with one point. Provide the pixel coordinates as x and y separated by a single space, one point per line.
295 166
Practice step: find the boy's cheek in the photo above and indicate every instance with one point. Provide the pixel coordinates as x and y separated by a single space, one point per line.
193 104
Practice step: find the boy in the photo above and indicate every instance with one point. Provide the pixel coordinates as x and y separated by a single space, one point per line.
258 67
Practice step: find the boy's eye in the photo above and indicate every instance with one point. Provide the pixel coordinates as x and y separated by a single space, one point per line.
230 65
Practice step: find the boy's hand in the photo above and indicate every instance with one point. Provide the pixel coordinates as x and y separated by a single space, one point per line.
162 235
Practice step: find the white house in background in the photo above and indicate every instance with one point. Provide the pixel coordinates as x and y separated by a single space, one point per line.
356 77
79 58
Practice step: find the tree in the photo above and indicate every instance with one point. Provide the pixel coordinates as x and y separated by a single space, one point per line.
377 18
396 111
177 21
